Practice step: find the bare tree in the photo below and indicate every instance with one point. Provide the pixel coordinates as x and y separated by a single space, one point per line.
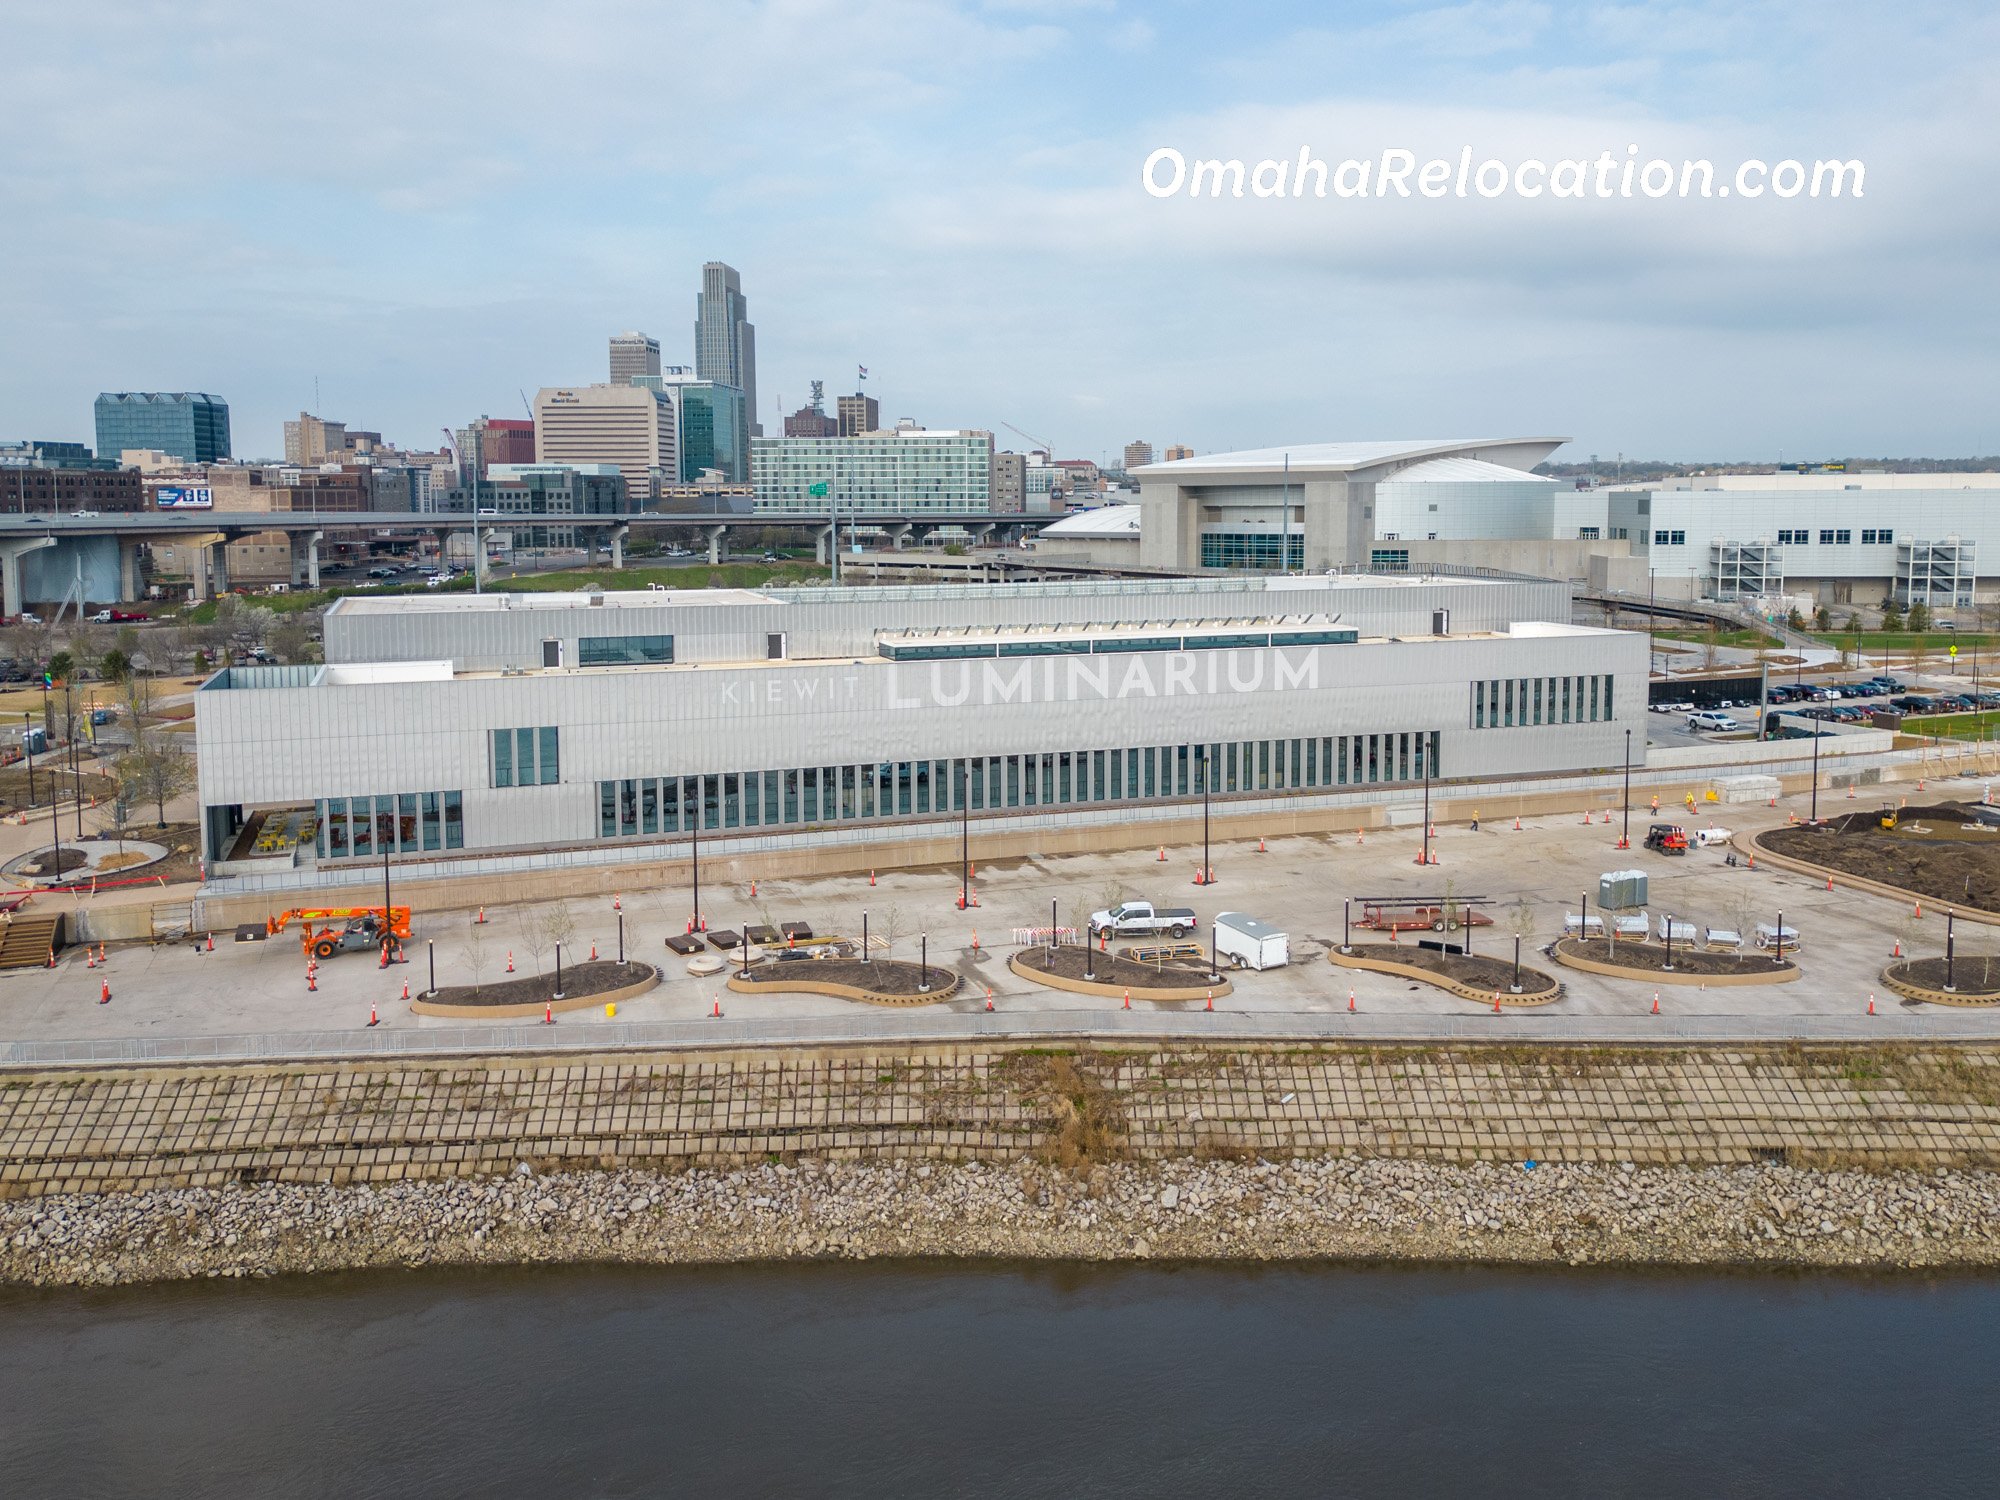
535 938
472 953
561 924
888 924
157 771
290 640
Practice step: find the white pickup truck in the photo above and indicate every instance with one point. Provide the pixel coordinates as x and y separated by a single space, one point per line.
1143 916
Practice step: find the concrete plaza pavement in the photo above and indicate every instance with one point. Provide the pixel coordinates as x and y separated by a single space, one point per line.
1297 883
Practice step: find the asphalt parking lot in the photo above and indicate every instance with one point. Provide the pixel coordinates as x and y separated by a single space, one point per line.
1533 875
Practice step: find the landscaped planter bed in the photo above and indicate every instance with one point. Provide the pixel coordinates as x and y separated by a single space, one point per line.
1086 972
880 981
1471 976
1648 961
602 982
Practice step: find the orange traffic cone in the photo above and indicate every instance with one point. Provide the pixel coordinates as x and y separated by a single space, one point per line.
1128 999
1897 951
618 904
989 997
1260 846
90 958
753 887
373 1019
1163 854
716 1014
1360 835
1871 1005
871 877
1753 861
211 942
548 1013
1350 1002
1211 1001
104 992
312 982
1829 882
593 950
1586 817
510 960
975 940
480 920
406 989
1850 794
1656 1002
101 959
52 955
1517 824
1920 909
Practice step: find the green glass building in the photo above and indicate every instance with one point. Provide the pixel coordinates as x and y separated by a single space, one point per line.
189 425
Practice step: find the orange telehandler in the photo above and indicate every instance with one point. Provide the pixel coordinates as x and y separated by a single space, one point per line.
344 928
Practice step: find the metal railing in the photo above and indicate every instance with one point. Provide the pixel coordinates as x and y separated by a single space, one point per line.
917 1028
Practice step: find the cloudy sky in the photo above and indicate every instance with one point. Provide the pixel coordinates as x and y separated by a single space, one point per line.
429 208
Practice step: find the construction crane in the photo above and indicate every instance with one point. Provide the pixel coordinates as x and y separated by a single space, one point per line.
359 927
1042 443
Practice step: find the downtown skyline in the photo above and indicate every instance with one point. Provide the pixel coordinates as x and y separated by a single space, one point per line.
427 217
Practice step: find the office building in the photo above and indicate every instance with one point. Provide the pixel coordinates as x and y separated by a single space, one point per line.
1137 455
725 344
193 427
1177 451
904 472
1009 487
631 427
596 728
858 414
811 421
59 478
542 496
633 355
713 422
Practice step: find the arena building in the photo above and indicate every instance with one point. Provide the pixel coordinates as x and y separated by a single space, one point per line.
462 726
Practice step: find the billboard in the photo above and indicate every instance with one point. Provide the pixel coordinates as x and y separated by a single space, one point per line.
173 497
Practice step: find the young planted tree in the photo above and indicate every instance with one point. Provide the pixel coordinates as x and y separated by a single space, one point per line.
156 771
472 953
1822 618
1920 617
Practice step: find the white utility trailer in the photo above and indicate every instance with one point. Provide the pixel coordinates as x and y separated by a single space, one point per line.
1250 944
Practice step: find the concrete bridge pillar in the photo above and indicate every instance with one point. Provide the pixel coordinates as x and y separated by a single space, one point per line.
305 558
479 536
618 536
131 579
823 544
718 545
11 553
901 534
208 566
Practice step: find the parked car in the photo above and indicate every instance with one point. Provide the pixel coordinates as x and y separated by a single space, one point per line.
1712 721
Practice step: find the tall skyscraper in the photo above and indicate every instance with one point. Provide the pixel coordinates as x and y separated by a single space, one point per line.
1138 455
193 427
633 354
858 414
725 345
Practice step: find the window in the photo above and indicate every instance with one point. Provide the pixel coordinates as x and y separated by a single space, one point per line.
1843 536
1389 559
1251 549
1826 536
1660 538
624 650
526 757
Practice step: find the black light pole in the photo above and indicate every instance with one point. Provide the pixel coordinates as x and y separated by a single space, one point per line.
1517 963
1670 942
621 939
698 783
1214 941
964 834
559 990
1625 838
431 947
28 749
1948 946
1346 911
75 775
1781 937
1207 870
924 963
1424 854
388 921
864 937
1815 790
743 951
1052 932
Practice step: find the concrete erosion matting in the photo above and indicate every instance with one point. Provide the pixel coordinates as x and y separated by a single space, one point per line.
1664 976
1117 991
1873 887
523 1012
1445 982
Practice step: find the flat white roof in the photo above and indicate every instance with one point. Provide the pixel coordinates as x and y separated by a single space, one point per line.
1463 470
1104 521
402 604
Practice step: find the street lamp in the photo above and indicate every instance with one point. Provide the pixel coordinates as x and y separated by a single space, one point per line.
1625 838
559 988
1948 945
964 833
1206 875
1815 787
699 782
1424 854
28 749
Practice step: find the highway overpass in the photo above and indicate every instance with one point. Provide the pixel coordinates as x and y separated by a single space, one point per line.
21 535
